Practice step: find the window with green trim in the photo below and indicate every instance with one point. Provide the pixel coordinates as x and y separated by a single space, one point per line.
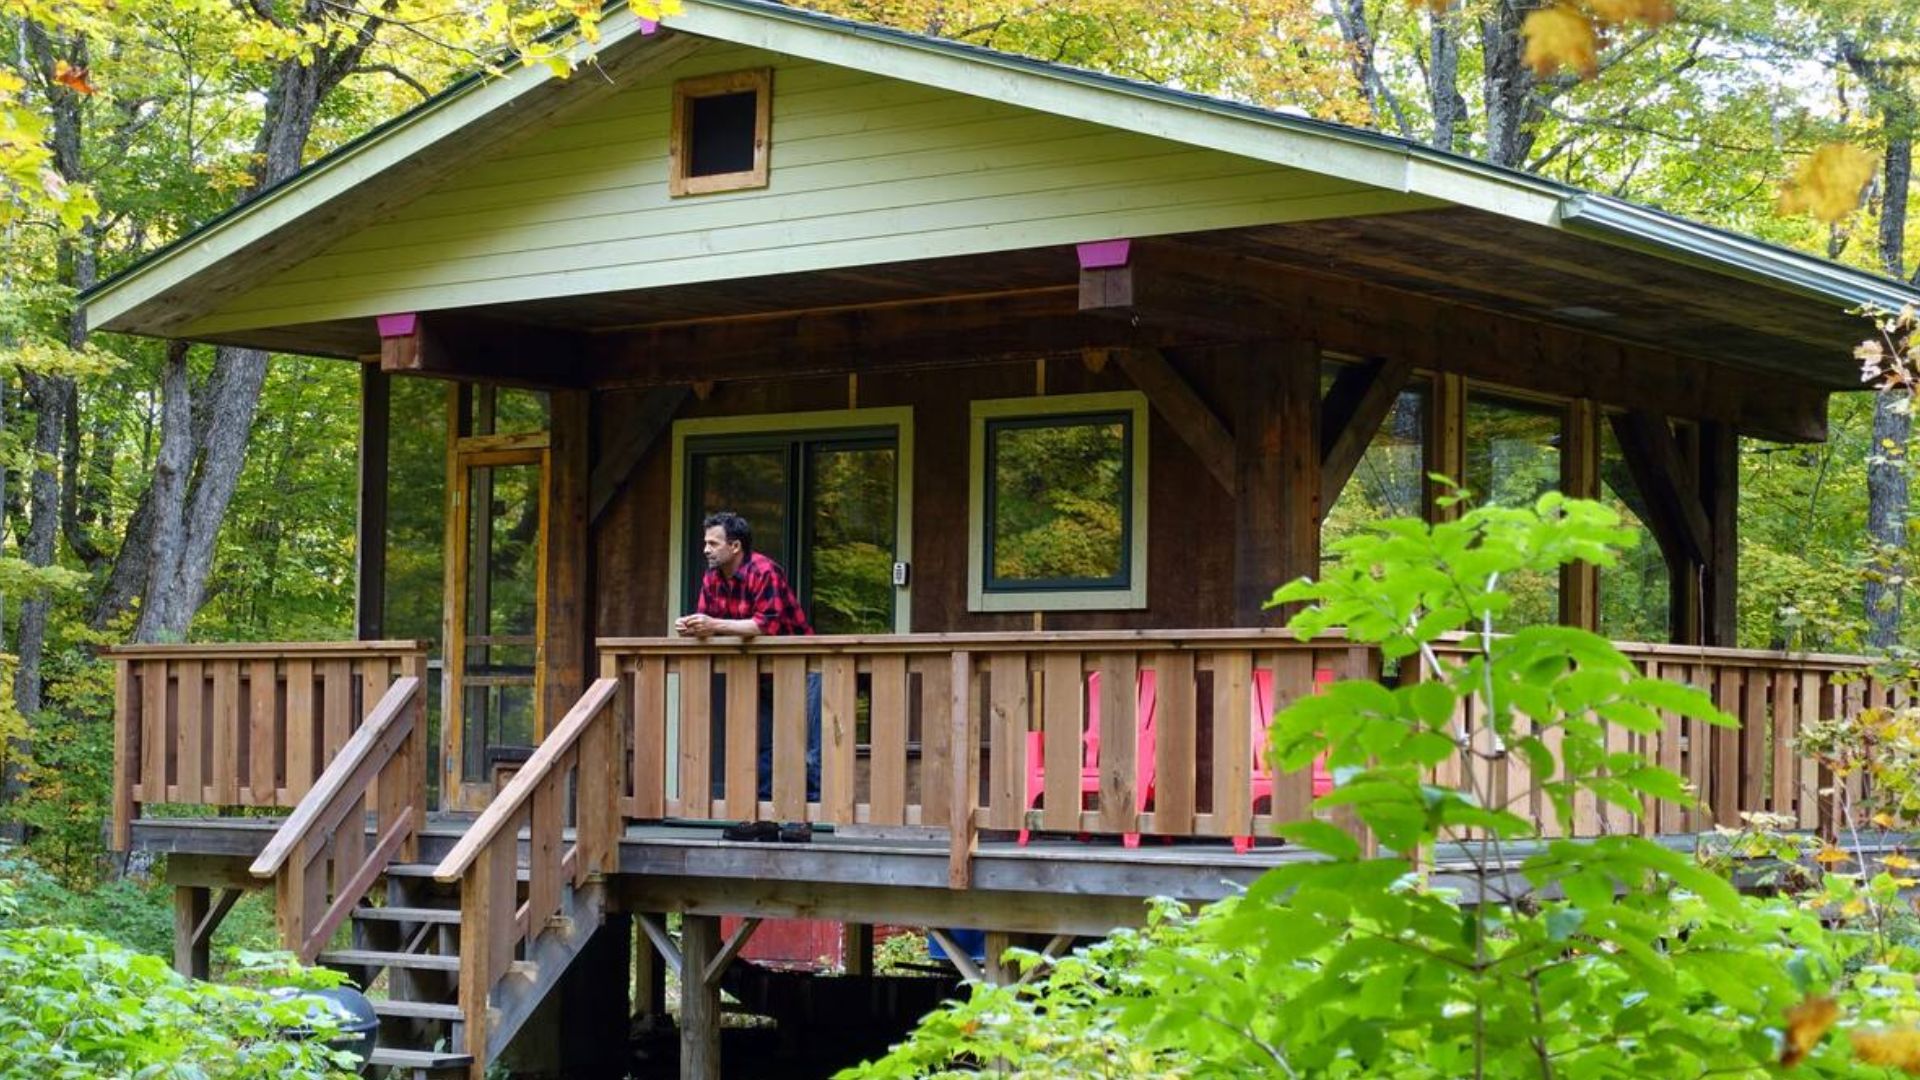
1059 491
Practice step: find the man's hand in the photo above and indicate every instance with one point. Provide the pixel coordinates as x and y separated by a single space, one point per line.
696 625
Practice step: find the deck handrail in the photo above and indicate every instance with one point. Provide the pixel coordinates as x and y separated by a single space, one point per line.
495 924
322 848
507 805
388 718
238 649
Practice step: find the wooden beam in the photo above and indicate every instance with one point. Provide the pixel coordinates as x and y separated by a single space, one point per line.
1352 315
650 420
1190 417
962 962
1660 471
370 532
938 332
475 348
1277 475
717 967
1358 403
655 930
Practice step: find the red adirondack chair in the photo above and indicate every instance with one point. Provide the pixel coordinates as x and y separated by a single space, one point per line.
1144 747
1263 711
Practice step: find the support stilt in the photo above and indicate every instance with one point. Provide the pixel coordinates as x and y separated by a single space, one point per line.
699 999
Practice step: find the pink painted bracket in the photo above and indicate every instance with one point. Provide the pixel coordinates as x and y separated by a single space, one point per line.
648 27
1104 254
396 326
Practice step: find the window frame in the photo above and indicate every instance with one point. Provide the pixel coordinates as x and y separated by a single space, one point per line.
679 142
814 425
1129 594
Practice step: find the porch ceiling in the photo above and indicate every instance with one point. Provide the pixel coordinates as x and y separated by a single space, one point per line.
1455 255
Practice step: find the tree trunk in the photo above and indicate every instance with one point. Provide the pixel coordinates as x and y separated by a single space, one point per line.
1449 108
1352 17
1887 494
1507 87
51 395
203 435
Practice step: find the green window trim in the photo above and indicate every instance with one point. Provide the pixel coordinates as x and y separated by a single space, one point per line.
1127 590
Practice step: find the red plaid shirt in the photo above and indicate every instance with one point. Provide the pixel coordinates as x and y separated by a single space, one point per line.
758 590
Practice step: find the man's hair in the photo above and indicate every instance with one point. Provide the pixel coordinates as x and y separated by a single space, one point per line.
733 526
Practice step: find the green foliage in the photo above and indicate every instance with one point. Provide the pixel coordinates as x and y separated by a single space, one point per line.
1059 492
76 1005
1610 957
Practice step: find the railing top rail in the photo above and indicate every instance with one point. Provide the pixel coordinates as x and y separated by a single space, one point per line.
389 711
269 649
502 810
1011 641
1714 655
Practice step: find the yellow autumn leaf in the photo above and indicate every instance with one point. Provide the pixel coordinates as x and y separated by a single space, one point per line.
1829 855
1897 1048
1883 819
1560 37
1897 861
1618 12
1828 183
1807 1024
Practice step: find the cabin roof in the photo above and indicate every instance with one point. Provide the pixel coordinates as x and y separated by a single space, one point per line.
166 293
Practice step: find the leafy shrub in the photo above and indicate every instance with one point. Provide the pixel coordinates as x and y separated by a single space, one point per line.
75 1005
1608 957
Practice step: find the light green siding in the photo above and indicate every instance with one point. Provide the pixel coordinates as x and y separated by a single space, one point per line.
865 169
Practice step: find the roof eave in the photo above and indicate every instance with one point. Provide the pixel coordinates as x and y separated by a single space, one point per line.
1620 222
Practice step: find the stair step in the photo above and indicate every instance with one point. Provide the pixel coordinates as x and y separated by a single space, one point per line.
418 1059
407 914
420 1010
375 958
419 870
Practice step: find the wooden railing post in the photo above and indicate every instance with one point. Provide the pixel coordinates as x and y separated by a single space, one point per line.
126 753
963 746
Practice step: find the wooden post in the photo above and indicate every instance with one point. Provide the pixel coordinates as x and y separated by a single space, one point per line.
569 636
963 746
1719 457
1447 441
192 953
126 753
856 948
1580 479
370 532
699 1001
1276 476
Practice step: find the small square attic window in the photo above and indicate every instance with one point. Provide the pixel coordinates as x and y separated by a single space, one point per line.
720 133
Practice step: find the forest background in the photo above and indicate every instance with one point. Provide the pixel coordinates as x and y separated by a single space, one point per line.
159 493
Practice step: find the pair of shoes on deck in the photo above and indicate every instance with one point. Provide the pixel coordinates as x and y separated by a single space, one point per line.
792 832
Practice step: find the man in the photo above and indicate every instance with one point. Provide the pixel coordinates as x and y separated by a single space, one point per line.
745 594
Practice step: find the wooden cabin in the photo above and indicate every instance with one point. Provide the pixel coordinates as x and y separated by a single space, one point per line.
1037 381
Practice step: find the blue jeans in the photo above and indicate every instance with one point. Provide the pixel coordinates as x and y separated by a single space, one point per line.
765 737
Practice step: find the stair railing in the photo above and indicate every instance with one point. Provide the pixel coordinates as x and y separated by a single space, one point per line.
572 780
319 859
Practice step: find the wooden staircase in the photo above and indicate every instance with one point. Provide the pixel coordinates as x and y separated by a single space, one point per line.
456 956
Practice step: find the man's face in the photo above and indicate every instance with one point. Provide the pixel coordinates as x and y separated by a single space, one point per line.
721 552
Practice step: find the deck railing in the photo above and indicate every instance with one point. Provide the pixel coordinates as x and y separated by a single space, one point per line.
1018 707
565 799
320 860
243 725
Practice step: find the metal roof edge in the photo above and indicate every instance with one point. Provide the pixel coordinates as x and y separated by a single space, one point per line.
1619 221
